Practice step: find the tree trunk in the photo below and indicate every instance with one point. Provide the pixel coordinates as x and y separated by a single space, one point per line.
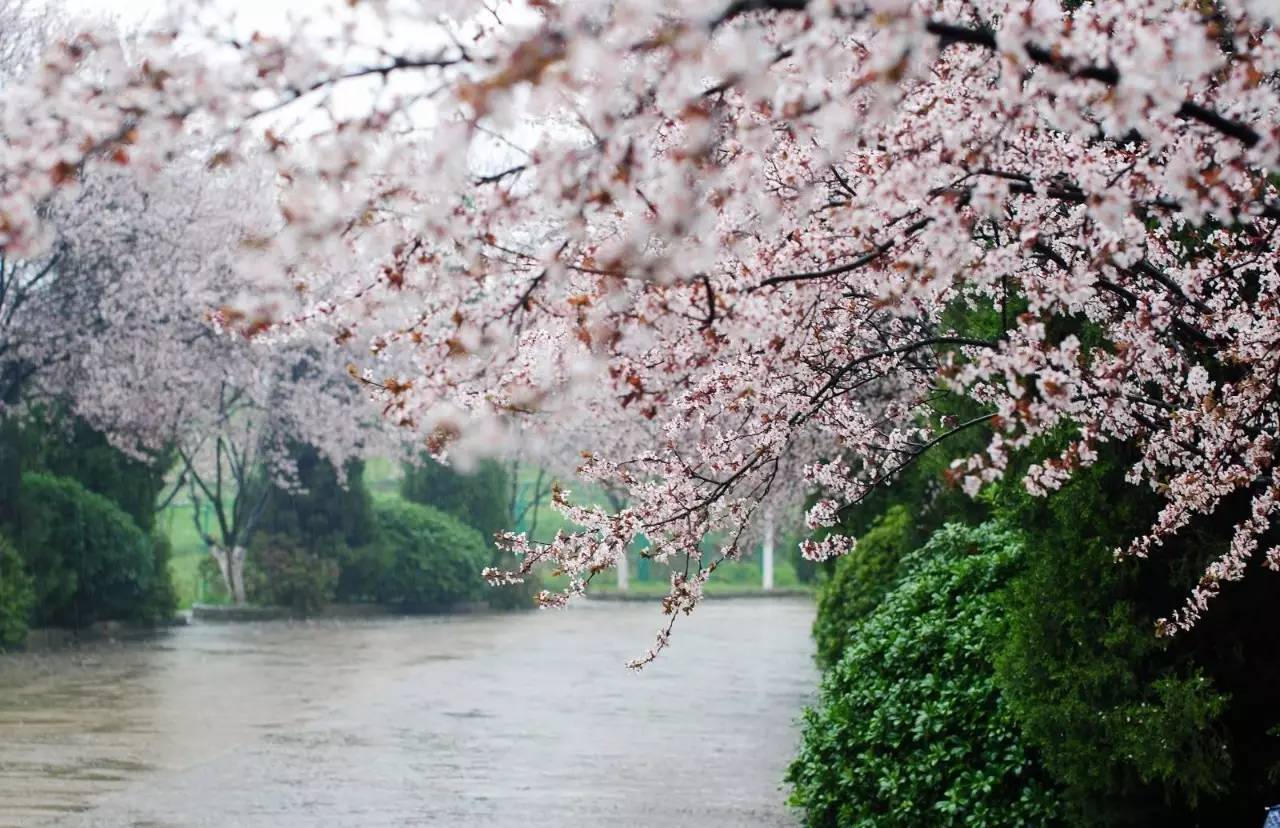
624 580
231 565
767 553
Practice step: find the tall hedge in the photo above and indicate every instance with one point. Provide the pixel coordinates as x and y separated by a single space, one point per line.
324 514
910 728
1130 723
88 559
479 499
63 445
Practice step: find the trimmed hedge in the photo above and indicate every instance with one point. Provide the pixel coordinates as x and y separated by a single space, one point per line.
911 728
480 500
1136 728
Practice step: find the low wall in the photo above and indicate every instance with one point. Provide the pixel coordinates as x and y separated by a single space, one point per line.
227 613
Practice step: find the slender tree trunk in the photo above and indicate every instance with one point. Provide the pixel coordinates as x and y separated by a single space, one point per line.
624 577
231 565
766 580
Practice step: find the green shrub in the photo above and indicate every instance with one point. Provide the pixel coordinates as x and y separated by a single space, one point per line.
1129 723
213 589
511 596
325 513
290 576
88 559
480 499
860 581
363 570
17 596
66 446
162 598
911 728
436 560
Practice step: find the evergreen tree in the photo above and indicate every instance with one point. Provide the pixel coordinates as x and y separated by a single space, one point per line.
323 513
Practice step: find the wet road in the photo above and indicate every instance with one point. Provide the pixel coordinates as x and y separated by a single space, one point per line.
525 720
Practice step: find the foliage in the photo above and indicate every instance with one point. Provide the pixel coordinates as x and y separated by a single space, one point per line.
291 575
17 596
89 561
771 279
911 728
49 440
363 570
435 559
512 596
480 499
162 598
860 581
67 446
213 586
11 464
323 512
1130 724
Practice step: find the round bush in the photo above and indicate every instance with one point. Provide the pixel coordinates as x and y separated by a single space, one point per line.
289 575
910 728
435 560
89 560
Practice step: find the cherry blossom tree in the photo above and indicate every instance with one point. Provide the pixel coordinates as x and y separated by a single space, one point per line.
766 230
123 319
235 446
165 369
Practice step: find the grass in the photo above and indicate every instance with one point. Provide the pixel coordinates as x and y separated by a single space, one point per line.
188 552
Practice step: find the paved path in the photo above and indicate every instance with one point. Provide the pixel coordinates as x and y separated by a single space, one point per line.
525 720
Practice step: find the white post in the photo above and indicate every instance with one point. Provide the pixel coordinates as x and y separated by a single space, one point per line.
624 580
767 579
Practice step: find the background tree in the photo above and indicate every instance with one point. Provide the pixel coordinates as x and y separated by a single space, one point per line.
323 509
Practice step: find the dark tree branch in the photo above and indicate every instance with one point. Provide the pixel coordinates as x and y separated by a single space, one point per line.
863 260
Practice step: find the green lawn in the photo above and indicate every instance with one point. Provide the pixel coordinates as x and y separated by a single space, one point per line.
188 551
